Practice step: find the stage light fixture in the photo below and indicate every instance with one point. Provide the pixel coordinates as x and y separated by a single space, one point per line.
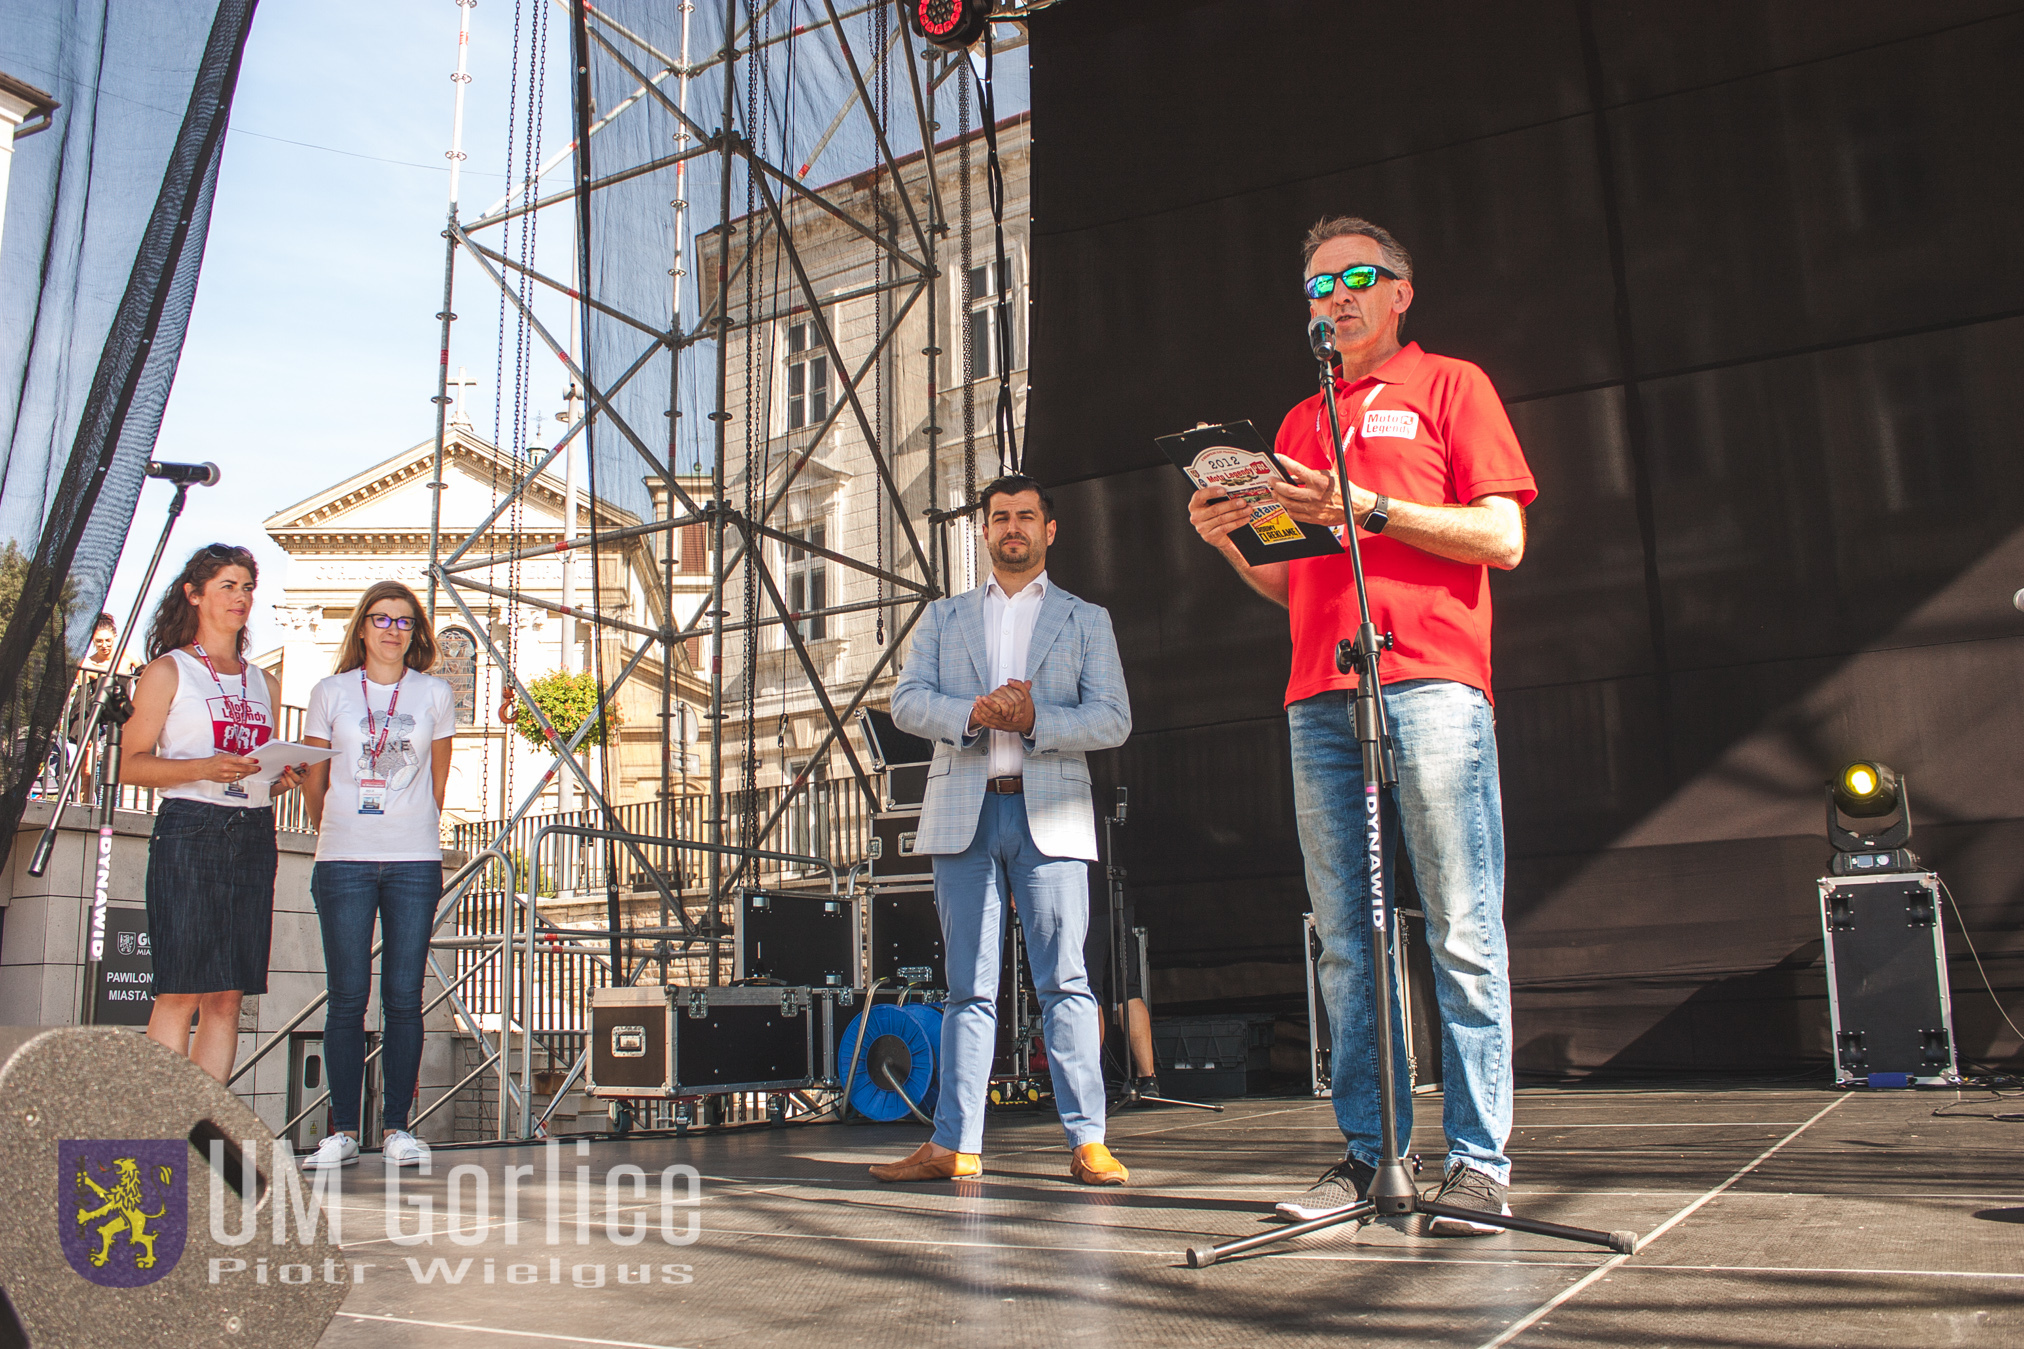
951 25
1866 789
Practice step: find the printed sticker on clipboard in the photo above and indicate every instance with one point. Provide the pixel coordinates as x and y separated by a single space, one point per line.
1234 459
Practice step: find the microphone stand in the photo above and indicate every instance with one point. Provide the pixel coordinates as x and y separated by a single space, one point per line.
109 710
1392 1192
1120 968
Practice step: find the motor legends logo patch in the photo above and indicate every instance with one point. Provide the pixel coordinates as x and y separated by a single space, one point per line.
122 1207
1387 422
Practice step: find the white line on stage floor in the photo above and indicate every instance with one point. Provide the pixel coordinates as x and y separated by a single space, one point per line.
522 1334
1689 1124
1520 1326
1807 1269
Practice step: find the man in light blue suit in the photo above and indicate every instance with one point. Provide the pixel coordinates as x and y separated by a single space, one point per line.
1014 682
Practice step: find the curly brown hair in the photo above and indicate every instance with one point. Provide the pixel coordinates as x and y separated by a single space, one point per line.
421 651
174 624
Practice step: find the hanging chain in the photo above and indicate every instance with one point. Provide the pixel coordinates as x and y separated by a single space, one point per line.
882 112
748 796
969 288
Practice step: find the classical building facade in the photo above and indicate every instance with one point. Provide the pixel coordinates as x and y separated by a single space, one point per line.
374 525
780 369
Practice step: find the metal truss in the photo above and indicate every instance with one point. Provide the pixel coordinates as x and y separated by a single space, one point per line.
907 247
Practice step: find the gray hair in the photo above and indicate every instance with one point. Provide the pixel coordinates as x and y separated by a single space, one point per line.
1334 227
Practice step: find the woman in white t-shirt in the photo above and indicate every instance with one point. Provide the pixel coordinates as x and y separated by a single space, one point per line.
200 710
379 853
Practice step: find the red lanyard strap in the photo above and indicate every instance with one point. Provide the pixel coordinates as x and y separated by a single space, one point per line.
388 725
244 687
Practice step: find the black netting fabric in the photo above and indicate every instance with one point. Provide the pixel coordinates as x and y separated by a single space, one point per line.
106 217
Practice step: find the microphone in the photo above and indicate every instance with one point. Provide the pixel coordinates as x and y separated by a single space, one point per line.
203 474
1123 803
1321 337
2018 599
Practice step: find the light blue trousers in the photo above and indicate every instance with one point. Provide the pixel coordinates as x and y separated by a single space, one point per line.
971 892
1450 813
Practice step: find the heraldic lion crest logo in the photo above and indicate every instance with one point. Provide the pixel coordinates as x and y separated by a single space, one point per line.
123 1207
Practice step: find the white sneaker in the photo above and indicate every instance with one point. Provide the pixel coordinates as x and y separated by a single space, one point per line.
401 1148
334 1151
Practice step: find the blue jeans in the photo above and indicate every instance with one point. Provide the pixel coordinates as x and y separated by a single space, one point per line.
349 896
1449 809
971 888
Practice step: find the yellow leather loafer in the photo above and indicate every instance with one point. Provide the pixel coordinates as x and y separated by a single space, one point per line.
1092 1164
925 1166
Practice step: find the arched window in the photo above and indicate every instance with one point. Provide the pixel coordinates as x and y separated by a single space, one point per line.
458 663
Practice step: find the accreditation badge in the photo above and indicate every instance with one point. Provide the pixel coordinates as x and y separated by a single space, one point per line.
372 796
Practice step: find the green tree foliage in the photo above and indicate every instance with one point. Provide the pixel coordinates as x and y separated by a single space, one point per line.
568 700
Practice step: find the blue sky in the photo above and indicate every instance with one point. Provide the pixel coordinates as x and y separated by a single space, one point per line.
311 352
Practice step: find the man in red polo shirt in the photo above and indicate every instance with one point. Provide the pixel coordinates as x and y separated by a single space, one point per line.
1438 488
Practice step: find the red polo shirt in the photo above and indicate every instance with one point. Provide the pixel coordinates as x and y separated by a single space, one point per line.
1420 428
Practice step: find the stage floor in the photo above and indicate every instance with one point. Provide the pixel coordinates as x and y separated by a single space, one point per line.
1785 1214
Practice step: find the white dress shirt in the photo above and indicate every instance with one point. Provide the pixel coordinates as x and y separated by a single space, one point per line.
1008 632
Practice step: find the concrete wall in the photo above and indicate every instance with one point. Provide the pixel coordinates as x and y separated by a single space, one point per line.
43 937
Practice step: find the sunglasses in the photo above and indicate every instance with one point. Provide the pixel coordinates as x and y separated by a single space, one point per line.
384 621
1360 277
225 552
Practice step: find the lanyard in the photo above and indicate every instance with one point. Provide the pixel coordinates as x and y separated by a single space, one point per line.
388 725
243 686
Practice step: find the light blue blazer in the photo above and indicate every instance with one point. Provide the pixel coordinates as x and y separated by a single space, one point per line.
1079 704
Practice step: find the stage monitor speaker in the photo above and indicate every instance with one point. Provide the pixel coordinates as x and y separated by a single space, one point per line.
1887 997
117 1131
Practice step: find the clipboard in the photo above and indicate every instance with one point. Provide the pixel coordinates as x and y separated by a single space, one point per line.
1234 459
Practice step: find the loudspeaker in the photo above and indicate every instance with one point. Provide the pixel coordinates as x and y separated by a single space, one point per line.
108 1187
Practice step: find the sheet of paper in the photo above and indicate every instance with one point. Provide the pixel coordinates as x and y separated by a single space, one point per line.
276 755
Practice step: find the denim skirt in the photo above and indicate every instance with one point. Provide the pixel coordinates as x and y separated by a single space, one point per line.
211 897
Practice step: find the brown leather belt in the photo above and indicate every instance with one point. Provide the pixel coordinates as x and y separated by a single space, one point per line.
1005 786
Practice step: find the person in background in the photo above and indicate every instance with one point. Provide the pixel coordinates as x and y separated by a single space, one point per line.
377 808
199 714
83 694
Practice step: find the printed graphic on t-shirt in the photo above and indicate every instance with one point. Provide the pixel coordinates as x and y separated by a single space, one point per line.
1390 422
398 761
238 725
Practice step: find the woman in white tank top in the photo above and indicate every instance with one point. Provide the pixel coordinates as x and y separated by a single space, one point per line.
199 711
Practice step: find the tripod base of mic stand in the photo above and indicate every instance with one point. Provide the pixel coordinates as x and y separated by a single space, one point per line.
1623 1243
1133 1096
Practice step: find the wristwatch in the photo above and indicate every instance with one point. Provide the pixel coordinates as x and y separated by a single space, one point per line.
1378 517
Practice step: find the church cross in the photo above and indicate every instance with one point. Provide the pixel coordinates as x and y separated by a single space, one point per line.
463 381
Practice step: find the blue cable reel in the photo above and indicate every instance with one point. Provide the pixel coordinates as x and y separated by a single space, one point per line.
901 1044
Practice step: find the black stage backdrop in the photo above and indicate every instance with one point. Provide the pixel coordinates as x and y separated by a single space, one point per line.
1747 275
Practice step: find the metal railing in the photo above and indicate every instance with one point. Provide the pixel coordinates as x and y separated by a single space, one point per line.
291 812
827 819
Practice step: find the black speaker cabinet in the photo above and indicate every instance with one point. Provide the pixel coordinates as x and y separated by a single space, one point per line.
1887 996
671 1041
801 937
905 936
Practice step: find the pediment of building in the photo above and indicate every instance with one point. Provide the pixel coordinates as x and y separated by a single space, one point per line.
385 508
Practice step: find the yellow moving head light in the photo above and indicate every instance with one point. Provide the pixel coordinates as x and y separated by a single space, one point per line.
1866 789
